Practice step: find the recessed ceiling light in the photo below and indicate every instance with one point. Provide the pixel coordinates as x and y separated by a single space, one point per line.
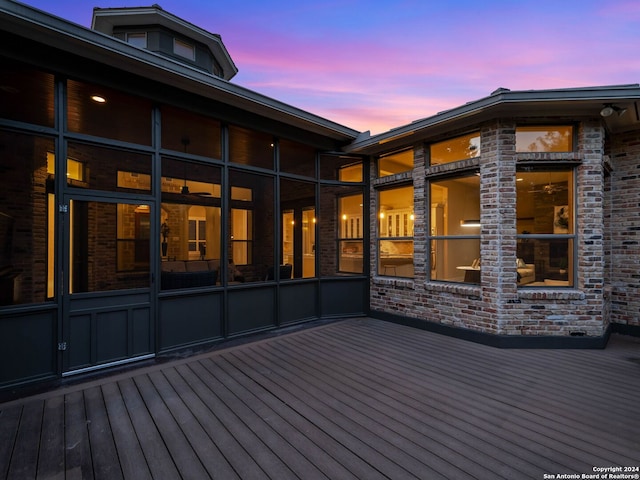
98 99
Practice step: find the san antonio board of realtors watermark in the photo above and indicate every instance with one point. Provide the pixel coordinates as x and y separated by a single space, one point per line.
599 473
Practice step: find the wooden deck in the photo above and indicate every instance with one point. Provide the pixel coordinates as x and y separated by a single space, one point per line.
354 399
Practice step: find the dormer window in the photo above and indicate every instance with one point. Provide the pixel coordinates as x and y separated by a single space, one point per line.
137 39
184 49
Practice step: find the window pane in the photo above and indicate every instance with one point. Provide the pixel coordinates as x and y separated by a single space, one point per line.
27 212
137 39
395 225
455 149
26 94
545 262
190 232
101 168
257 220
544 139
118 116
250 148
544 202
297 158
455 206
455 260
341 167
395 163
188 132
117 235
184 49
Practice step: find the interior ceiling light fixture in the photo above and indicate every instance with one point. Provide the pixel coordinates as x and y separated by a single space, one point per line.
610 109
98 99
470 223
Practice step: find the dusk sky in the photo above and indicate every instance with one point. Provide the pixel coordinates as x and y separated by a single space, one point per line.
379 64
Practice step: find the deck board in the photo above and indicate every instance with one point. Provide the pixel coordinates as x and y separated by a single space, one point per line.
351 399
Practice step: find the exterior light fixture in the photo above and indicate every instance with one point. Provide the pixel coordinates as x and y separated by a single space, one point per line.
98 99
610 109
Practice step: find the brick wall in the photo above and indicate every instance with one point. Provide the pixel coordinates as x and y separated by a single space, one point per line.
497 306
623 219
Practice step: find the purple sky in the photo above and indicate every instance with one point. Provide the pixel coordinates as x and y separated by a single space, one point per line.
379 64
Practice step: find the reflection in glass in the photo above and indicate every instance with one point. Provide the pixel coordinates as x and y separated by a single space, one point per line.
395 163
558 138
118 115
455 149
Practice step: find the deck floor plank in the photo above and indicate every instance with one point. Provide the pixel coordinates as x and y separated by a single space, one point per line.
156 455
130 454
351 399
51 457
25 457
78 459
9 422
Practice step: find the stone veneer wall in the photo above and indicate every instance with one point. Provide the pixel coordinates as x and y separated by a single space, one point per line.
497 306
623 219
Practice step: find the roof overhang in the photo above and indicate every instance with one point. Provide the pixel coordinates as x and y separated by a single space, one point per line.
106 19
27 22
568 103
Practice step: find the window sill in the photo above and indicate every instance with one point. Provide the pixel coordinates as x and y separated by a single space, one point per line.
401 282
458 288
550 294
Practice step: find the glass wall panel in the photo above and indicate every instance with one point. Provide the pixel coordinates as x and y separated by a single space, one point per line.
109 246
26 94
191 224
395 232
190 133
455 149
393 163
545 223
251 223
101 168
341 167
104 112
297 158
341 230
298 219
248 147
27 212
557 138
455 212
